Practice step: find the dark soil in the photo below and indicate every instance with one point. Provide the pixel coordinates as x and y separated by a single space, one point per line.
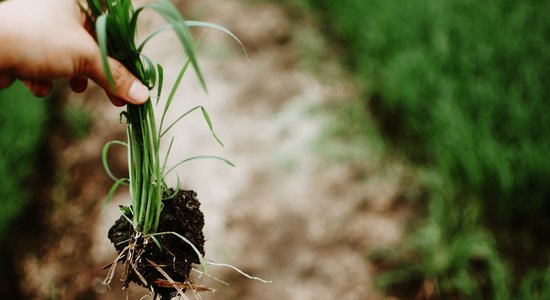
182 215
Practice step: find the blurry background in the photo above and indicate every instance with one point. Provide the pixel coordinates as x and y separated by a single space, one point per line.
384 149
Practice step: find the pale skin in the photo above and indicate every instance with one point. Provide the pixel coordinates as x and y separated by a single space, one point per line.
42 40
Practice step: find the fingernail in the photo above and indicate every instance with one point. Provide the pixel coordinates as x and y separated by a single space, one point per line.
138 92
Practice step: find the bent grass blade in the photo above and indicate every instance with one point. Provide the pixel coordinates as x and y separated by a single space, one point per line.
200 157
113 190
104 159
192 24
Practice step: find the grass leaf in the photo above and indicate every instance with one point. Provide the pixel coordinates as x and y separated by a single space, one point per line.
167 155
104 152
173 93
113 189
156 241
169 12
175 88
101 32
209 122
95 7
179 119
200 157
150 71
191 23
160 81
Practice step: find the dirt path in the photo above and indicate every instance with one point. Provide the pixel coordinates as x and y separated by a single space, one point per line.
288 212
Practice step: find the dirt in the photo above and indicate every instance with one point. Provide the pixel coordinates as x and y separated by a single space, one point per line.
181 214
304 208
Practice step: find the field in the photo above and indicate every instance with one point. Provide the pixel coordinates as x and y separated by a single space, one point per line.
461 88
384 150
22 118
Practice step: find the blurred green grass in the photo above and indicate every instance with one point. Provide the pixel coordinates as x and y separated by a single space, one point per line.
460 85
462 88
22 120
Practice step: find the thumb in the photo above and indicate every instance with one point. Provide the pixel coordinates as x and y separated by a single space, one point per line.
127 87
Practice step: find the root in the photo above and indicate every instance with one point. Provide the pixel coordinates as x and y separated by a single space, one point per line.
181 237
179 290
183 285
239 271
141 278
129 262
132 254
129 252
201 273
111 273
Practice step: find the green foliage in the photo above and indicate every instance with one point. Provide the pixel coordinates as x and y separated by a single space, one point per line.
116 30
465 85
536 286
462 87
22 119
450 250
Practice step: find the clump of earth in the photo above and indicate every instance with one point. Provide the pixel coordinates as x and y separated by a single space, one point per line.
174 256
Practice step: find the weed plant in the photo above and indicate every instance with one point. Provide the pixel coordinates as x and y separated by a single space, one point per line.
116 23
116 29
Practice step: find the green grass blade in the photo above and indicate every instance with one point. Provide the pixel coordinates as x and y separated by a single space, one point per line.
113 189
175 88
152 35
133 23
191 23
209 122
179 119
104 152
169 12
167 155
156 241
150 71
173 93
101 32
160 81
177 189
200 157
95 7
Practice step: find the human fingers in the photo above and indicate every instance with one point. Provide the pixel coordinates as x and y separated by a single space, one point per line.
79 84
39 88
6 80
126 86
116 101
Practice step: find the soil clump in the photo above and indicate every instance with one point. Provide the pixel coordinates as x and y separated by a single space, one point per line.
180 214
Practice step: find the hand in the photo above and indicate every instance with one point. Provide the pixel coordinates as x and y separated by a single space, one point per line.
41 40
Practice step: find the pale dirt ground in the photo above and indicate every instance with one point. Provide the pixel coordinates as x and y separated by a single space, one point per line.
287 212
